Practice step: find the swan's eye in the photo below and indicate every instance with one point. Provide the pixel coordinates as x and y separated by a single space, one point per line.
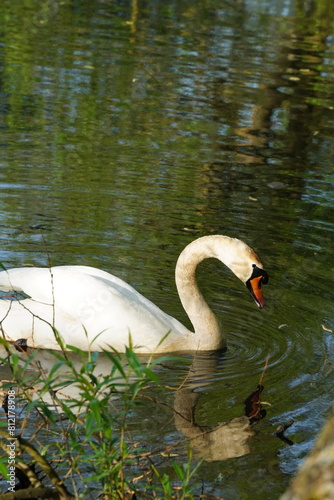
258 272
264 277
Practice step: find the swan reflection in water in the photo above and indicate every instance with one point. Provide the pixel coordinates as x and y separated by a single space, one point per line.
224 440
212 443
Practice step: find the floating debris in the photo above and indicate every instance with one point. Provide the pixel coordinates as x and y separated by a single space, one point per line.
276 185
253 406
280 432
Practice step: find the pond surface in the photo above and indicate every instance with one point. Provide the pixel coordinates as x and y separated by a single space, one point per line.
128 129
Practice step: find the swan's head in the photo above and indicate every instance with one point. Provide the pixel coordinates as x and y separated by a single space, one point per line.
246 265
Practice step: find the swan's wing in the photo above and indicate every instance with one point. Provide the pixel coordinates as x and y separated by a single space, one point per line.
34 317
81 303
112 309
108 278
67 284
35 282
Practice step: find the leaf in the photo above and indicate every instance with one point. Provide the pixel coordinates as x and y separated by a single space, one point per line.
116 362
3 470
151 375
179 471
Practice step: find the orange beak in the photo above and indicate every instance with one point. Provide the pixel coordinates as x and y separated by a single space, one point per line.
256 290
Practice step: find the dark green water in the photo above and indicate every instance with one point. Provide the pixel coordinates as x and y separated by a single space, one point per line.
129 129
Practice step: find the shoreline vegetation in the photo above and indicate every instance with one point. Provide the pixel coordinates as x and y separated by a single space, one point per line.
86 417
93 438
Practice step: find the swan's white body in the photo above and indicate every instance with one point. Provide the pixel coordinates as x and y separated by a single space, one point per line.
93 310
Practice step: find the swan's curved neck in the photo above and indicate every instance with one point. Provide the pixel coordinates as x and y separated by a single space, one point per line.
206 325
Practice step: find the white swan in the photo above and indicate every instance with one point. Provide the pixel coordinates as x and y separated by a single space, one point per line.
92 309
